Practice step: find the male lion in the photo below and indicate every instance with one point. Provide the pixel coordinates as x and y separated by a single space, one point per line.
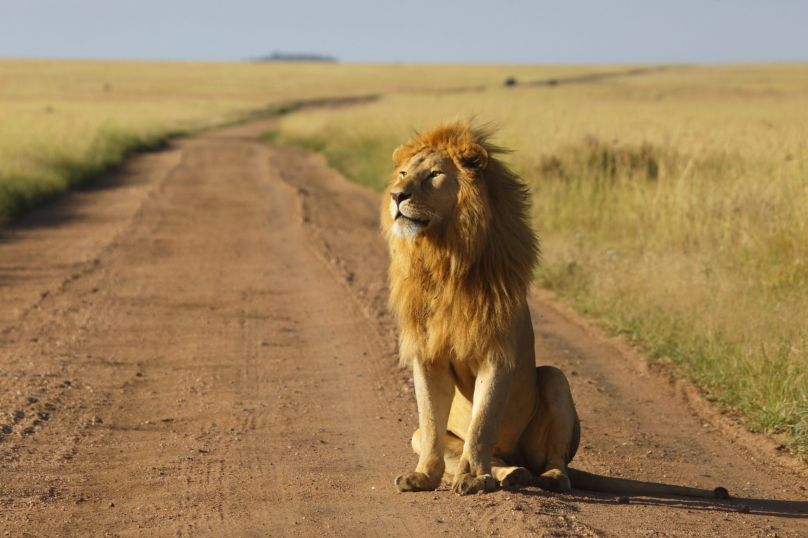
463 253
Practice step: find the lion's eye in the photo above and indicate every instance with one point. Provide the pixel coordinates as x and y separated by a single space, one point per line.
403 173
435 173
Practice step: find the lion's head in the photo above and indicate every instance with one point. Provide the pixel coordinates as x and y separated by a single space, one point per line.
456 219
428 185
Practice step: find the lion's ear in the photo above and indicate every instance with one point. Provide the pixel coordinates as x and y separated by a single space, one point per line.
474 157
398 156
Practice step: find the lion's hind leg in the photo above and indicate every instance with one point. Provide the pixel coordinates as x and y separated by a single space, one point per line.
551 439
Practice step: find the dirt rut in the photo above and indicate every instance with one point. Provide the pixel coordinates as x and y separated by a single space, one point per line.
199 346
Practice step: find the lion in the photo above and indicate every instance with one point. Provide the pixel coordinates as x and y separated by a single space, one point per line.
462 257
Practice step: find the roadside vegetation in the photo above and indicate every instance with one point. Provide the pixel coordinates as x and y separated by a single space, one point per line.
672 205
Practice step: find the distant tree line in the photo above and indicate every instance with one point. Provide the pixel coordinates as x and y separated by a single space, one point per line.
295 57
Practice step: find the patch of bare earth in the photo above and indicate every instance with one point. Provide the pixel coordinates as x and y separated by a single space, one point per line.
199 346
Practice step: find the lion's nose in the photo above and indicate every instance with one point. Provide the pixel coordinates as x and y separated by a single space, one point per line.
400 196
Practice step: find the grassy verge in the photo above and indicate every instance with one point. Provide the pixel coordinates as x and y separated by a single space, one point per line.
673 209
365 159
714 281
21 194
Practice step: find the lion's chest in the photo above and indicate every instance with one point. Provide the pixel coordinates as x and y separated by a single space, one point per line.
446 314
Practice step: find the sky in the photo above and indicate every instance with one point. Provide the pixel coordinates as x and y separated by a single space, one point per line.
411 31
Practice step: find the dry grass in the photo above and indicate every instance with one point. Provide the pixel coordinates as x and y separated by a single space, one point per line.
673 207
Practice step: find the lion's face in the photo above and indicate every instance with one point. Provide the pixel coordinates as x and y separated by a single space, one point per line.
423 194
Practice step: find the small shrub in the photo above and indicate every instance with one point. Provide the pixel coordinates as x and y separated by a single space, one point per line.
594 159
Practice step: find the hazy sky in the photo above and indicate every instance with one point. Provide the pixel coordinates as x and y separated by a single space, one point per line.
515 31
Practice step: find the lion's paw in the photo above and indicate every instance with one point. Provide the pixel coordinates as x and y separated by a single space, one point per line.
518 477
554 481
466 484
414 482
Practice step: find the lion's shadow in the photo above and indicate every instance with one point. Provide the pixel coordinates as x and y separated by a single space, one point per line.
759 507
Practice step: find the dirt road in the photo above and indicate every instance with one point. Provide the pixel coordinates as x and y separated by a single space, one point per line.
199 346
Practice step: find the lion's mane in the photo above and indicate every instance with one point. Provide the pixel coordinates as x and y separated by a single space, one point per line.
455 293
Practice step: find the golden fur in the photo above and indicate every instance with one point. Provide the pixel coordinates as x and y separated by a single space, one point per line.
456 292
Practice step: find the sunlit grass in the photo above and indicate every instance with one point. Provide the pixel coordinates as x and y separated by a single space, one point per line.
673 207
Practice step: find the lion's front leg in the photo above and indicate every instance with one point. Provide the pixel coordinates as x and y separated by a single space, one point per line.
434 390
491 391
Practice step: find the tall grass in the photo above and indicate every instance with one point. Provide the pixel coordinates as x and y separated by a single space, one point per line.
672 207
699 260
59 173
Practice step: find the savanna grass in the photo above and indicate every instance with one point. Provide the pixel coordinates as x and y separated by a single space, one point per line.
60 173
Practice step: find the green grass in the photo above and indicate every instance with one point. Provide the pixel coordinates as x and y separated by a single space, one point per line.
764 383
713 281
364 159
60 173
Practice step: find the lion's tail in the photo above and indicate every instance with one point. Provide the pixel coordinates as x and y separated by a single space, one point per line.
593 482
